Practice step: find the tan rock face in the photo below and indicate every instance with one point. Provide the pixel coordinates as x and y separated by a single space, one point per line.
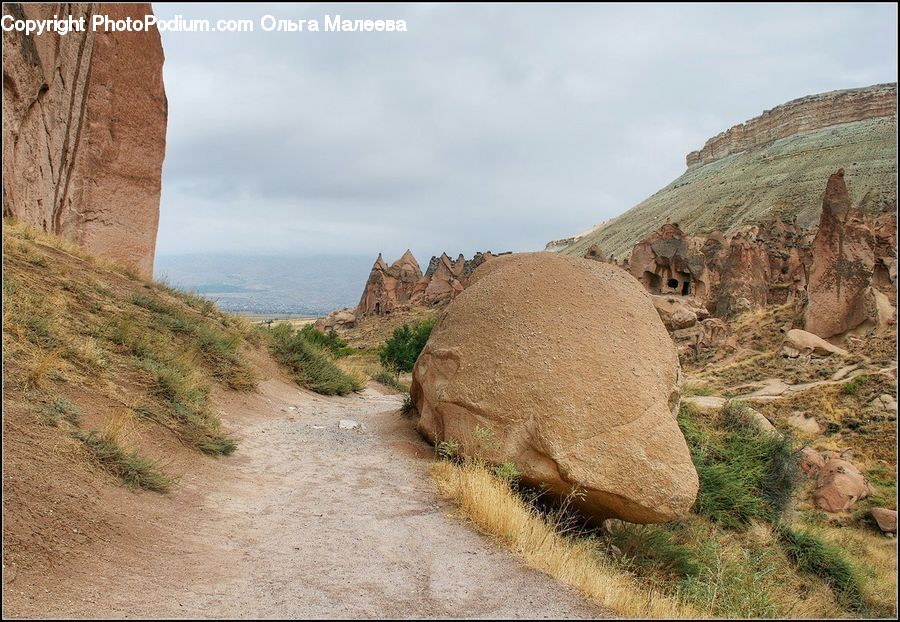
403 284
390 287
338 321
798 341
839 290
84 130
842 272
811 462
562 366
675 313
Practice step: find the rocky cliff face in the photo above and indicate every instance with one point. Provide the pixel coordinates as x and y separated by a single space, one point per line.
841 274
768 169
84 130
800 115
402 284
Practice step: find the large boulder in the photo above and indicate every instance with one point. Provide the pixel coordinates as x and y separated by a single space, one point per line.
338 321
886 519
562 366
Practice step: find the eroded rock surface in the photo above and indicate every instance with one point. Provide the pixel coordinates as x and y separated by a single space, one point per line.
84 132
563 367
403 285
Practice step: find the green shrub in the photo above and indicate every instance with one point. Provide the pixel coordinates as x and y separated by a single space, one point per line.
813 555
326 340
408 409
404 347
129 466
744 475
312 366
853 386
448 449
652 549
508 472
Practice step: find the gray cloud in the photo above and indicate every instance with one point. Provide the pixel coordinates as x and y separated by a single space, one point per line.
485 127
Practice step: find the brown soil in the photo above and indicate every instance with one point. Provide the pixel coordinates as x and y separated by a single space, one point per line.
304 520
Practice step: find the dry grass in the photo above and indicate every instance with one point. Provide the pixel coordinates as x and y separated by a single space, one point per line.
497 511
85 329
878 568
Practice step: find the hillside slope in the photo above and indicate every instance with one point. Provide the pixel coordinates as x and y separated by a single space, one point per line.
748 181
106 381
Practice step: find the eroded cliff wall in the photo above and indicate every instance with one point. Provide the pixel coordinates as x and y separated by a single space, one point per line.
84 131
800 115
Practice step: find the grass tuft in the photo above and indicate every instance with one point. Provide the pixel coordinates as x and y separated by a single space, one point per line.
61 410
744 475
814 555
312 366
129 466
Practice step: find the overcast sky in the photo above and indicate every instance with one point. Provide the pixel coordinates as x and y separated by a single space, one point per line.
484 127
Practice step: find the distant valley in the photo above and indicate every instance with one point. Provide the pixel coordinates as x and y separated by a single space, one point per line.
301 285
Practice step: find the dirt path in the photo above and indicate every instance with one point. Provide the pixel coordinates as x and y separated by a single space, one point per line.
308 520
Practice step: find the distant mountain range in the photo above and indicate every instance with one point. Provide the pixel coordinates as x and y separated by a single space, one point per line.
264 285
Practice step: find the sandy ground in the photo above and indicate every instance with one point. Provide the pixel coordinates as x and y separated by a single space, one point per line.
306 520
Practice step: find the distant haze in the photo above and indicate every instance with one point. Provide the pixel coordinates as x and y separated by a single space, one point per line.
485 127
260 284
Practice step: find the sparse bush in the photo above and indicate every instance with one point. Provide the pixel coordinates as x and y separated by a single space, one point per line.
404 347
448 449
652 549
853 386
186 396
220 351
129 466
150 303
311 365
730 581
814 555
408 408
389 378
509 473
61 410
744 475
328 340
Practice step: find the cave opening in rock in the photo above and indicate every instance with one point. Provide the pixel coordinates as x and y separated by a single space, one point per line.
377 308
672 283
686 288
653 282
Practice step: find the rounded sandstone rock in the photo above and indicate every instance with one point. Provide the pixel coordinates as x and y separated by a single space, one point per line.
562 366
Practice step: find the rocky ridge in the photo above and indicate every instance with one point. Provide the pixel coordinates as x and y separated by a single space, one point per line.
768 168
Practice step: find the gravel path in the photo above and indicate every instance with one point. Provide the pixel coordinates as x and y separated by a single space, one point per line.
308 520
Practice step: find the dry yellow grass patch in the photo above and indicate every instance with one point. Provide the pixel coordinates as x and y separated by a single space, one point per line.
499 512
879 566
